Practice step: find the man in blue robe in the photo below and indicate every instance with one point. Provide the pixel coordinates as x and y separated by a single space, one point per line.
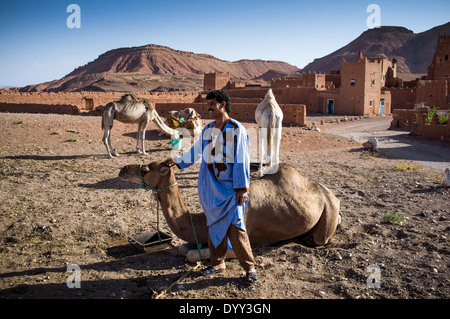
223 184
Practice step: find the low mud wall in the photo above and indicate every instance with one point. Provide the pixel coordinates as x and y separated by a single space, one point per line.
292 113
85 101
415 121
242 109
431 130
39 108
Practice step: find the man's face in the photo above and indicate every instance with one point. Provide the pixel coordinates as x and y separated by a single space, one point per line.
214 107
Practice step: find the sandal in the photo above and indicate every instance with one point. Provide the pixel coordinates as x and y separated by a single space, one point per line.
251 277
211 271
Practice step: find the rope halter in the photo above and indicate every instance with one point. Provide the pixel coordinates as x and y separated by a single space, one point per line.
148 188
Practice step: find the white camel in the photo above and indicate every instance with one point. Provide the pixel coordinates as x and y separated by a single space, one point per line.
269 118
132 110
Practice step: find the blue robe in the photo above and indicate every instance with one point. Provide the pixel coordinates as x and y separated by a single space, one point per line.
224 169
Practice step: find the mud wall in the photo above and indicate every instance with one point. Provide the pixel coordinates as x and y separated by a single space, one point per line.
431 130
292 113
415 121
84 101
39 108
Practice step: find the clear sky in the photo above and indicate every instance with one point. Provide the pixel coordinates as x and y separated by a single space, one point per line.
37 45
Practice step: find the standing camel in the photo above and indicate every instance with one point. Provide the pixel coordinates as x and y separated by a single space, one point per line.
269 117
132 110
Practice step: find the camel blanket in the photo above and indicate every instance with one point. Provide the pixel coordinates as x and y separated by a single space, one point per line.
185 119
224 169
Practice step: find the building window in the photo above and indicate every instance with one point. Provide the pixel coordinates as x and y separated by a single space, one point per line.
446 57
371 103
352 82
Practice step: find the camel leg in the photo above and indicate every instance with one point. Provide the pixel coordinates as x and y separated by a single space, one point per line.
144 127
113 151
139 138
328 222
107 142
262 153
269 151
107 123
275 149
193 255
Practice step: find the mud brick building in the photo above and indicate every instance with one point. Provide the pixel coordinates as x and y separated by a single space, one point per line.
439 68
357 90
433 90
362 83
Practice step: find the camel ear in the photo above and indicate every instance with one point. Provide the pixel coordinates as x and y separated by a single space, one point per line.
164 170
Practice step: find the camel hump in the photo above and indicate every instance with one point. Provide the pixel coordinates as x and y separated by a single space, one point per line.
131 98
285 171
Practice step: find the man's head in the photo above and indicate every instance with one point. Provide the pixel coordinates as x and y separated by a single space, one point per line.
218 97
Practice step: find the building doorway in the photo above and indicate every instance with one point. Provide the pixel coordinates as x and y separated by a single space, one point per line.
330 106
88 104
382 107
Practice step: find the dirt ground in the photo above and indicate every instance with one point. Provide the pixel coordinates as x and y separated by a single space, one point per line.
63 204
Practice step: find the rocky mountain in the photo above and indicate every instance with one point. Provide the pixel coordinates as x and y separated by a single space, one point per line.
152 67
413 52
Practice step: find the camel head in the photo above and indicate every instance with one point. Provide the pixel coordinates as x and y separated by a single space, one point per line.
154 175
268 101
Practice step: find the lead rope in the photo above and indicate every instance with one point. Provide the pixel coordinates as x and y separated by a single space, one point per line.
199 264
156 191
199 246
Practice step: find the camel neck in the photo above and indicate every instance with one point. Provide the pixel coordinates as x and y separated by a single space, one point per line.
180 220
160 123
175 213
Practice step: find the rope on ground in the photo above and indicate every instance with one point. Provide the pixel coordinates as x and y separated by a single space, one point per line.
162 293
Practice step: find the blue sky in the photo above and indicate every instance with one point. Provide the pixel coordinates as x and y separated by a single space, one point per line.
37 46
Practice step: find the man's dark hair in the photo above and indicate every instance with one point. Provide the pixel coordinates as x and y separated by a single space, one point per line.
220 96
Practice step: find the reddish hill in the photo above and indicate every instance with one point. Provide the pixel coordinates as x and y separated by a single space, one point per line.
156 60
413 51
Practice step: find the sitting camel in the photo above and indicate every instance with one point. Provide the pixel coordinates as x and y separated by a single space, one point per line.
281 206
133 110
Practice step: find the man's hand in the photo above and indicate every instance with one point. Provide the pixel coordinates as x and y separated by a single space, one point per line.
170 162
241 197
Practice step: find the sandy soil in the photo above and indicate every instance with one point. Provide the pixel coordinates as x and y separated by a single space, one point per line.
62 203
